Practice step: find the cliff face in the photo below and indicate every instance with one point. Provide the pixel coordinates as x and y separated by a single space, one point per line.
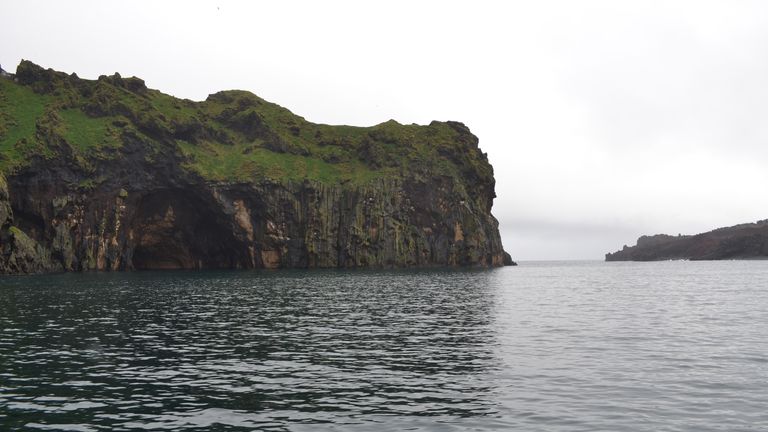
111 175
745 241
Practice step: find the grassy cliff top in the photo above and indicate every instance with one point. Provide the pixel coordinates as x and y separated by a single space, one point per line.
231 136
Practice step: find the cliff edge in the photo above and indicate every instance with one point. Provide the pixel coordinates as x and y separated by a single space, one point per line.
745 241
108 174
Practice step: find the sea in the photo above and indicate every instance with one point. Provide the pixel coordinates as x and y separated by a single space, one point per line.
545 346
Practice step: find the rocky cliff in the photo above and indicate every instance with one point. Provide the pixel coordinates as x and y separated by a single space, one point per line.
108 174
745 241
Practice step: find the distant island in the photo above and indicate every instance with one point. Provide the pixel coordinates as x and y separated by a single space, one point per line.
745 241
108 174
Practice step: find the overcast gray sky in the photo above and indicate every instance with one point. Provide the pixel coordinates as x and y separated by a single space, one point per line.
604 120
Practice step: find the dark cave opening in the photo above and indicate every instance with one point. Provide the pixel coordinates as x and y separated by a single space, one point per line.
162 256
176 229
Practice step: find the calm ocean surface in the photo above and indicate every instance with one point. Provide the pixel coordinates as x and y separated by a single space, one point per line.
555 346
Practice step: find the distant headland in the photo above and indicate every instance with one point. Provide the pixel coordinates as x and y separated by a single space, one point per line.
745 241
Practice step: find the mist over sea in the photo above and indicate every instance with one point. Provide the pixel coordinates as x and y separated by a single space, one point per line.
546 346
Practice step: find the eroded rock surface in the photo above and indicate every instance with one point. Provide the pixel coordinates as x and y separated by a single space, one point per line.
110 175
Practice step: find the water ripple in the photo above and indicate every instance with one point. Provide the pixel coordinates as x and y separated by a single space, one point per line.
547 346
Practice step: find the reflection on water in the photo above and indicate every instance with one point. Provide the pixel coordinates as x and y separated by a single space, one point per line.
246 349
541 347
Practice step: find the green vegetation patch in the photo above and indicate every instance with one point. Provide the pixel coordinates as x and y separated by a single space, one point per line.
231 136
171 107
245 162
86 133
20 109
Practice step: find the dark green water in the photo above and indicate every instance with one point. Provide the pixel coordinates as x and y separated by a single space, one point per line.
545 346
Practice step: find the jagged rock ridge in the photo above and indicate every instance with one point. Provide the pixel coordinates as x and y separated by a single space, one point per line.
108 174
745 241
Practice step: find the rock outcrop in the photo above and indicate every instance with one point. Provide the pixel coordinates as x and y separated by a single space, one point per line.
111 175
745 241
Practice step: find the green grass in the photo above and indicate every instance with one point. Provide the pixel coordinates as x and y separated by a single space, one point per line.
333 151
173 108
229 162
232 136
21 108
86 133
